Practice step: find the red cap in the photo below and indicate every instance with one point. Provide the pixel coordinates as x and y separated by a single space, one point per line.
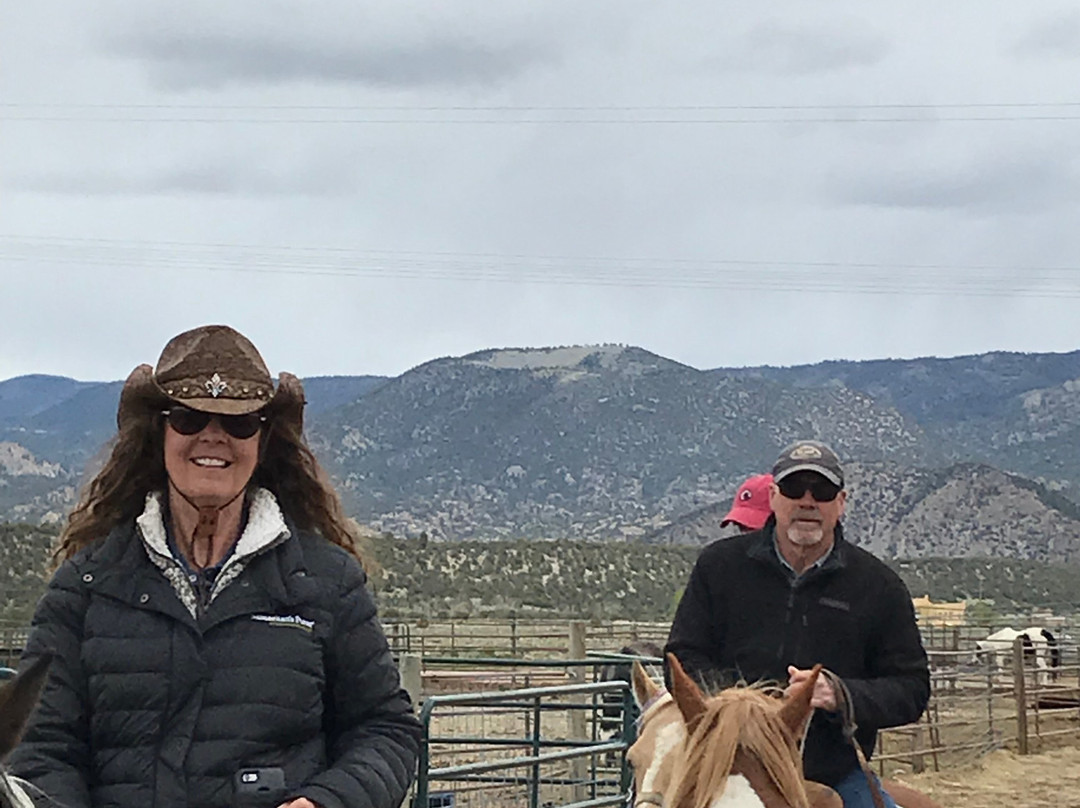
751 508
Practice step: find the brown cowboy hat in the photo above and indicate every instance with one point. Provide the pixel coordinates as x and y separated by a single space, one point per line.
213 368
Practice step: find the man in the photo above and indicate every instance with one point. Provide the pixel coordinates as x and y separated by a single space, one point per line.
770 604
751 509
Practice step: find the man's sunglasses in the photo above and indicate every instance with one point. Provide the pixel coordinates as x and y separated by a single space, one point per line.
820 489
191 422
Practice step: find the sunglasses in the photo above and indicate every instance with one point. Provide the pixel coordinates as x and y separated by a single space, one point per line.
192 422
820 489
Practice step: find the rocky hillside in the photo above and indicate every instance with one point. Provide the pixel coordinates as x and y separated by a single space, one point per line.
1012 410
630 580
599 443
964 511
24 562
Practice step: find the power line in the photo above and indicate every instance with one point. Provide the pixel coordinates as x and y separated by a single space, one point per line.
575 259
549 108
674 114
540 121
729 274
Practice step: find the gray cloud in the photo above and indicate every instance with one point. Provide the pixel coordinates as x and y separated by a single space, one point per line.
1012 184
803 49
180 60
224 179
1057 36
628 194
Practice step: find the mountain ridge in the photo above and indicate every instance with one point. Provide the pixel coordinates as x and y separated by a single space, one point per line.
613 442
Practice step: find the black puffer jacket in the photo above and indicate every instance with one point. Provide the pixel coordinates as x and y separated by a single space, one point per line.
745 616
147 706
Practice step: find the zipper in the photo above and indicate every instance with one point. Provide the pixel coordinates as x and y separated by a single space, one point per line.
787 618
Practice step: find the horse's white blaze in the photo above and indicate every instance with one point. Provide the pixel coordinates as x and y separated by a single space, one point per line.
667 738
738 793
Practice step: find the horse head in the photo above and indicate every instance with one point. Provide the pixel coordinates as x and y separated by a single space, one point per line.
742 744
17 700
611 712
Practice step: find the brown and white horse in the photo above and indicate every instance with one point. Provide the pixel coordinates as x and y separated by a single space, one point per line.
737 749
17 700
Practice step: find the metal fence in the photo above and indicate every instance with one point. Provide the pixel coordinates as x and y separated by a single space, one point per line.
538 747
12 640
496 702
519 639
983 702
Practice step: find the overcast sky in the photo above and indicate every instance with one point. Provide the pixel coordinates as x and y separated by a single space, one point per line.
361 187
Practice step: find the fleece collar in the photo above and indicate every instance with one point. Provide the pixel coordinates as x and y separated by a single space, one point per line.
265 528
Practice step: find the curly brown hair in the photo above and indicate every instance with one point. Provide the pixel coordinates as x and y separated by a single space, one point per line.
136 466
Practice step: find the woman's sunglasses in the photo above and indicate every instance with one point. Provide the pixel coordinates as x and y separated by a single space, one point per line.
191 422
795 486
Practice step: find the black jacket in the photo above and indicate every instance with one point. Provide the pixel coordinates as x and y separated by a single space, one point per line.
745 616
147 706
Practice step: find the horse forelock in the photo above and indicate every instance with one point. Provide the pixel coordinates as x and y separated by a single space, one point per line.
746 719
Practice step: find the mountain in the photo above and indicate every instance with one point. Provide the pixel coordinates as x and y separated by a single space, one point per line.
70 421
964 511
596 442
25 396
325 393
970 456
1016 411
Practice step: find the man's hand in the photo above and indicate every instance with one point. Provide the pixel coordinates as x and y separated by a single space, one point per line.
300 802
824 697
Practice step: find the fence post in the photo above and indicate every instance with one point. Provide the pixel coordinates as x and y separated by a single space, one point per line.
534 784
918 764
423 763
411 678
1020 694
578 766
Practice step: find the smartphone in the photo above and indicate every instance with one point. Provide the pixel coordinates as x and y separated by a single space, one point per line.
260 788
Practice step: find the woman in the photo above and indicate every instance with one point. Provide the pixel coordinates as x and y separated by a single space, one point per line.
214 641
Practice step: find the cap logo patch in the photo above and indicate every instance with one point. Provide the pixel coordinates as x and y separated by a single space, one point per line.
744 496
216 385
805 452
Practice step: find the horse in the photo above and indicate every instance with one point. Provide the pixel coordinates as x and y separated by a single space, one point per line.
737 749
611 712
17 701
1040 650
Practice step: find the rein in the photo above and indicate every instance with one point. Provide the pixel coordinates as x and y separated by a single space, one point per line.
848 727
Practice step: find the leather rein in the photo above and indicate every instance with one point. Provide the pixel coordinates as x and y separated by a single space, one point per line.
848 726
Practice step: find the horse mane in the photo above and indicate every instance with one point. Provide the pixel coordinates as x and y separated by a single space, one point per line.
739 717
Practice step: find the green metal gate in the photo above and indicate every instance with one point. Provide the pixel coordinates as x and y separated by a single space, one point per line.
526 747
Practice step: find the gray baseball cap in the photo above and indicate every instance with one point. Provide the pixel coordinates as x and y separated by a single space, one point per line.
809 455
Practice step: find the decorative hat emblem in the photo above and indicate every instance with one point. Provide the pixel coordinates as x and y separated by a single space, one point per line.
746 495
805 452
216 385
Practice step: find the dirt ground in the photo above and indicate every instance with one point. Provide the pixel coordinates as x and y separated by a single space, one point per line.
1004 779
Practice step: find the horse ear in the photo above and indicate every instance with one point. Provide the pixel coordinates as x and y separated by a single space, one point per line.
645 689
17 700
797 711
686 693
